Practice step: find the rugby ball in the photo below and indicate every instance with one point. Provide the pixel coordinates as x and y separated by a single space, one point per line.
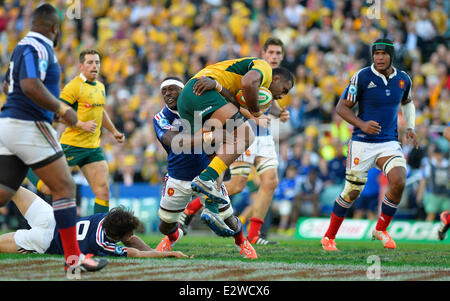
264 98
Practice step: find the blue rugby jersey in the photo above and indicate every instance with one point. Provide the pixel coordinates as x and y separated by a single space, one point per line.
91 238
180 166
378 100
33 57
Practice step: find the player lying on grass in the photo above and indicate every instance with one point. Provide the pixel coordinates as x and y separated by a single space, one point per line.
98 234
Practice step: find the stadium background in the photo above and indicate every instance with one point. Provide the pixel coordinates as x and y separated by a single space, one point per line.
326 41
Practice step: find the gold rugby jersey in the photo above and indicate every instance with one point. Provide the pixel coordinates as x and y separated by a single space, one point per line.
88 100
230 72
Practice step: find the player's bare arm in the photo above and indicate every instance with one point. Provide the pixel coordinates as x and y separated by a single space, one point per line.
35 90
132 252
137 243
262 120
109 125
250 87
344 109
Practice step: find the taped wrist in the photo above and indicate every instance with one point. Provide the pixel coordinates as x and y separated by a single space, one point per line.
409 114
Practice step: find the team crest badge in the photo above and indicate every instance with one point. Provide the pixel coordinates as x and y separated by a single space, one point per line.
356 161
401 84
170 191
247 153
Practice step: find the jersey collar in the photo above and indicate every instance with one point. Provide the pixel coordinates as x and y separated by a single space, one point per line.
40 36
173 111
372 67
86 81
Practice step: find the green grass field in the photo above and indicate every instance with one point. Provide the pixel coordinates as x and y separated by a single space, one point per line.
217 258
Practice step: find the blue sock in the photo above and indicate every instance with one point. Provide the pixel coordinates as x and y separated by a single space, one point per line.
65 211
341 207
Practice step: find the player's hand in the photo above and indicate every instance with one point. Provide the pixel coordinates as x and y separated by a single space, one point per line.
256 114
412 137
178 254
87 126
284 115
371 127
263 121
120 137
204 84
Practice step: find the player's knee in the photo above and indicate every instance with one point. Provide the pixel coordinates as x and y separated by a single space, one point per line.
101 190
269 183
354 185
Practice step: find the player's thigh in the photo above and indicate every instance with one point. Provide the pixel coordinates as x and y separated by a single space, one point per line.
56 175
36 145
196 109
96 173
176 195
12 173
361 156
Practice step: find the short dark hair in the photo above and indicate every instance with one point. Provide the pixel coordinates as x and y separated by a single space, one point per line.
86 52
273 41
120 221
285 73
45 14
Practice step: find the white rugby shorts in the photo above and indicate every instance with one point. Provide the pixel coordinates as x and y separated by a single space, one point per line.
263 146
30 141
177 194
362 156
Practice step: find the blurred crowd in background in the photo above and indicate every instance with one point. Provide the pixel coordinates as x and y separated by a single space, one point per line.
326 41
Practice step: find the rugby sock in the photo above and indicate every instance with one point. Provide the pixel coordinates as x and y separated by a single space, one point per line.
214 169
239 236
174 235
254 228
33 178
194 206
65 212
340 210
101 206
388 210
211 206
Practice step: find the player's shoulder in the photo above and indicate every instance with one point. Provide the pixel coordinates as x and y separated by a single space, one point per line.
404 75
162 118
77 81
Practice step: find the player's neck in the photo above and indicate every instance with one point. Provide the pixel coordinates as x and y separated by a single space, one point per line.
387 72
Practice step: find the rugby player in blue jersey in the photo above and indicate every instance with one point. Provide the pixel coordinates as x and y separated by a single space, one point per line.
379 90
27 139
98 234
186 160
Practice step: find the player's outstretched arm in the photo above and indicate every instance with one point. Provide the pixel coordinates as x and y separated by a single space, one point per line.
137 243
344 109
155 254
